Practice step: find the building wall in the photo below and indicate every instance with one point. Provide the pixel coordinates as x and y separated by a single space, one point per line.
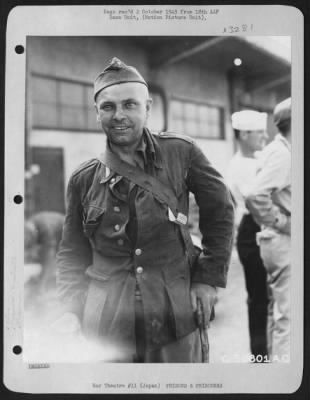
80 58
193 82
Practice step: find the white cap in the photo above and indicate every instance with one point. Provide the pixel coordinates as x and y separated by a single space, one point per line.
249 120
282 111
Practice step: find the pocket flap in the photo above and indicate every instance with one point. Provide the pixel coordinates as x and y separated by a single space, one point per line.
91 219
91 214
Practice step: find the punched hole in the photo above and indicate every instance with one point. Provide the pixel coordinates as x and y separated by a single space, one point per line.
18 199
17 349
19 49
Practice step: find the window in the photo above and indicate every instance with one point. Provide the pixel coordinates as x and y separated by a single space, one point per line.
196 119
63 104
68 105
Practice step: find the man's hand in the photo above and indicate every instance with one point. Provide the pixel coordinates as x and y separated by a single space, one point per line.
67 324
207 295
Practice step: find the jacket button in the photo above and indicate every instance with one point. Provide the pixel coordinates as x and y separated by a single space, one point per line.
116 209
117 228
138 252
139 270
120 242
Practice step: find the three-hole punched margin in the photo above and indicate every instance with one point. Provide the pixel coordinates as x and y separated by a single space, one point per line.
18 199
19 49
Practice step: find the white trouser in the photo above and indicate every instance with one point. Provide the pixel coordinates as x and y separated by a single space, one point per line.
275 251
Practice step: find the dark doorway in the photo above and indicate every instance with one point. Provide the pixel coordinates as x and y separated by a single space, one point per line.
48 184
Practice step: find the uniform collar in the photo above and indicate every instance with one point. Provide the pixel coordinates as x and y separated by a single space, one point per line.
152 148
147 147
107 174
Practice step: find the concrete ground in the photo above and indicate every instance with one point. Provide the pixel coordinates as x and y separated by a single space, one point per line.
229 334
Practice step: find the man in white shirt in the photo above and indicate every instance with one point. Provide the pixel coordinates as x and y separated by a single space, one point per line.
269 201
250 131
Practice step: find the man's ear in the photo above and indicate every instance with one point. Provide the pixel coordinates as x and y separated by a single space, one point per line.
97 112
149 103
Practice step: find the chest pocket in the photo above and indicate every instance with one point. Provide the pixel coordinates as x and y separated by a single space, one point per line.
175 180
91 219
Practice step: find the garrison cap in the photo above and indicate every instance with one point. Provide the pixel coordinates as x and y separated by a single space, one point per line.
282 111
116 73
249 120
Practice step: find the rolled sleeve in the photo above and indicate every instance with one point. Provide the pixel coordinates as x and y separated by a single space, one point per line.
216 220
73 257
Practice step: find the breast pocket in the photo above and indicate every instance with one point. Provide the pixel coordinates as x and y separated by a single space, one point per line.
91 219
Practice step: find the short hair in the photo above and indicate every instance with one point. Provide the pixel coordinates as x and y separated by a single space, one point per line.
237 133
284 127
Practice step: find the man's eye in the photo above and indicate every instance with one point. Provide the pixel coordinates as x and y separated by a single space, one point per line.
106 107
130 104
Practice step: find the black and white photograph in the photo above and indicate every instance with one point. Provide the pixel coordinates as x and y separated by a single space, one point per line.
154 184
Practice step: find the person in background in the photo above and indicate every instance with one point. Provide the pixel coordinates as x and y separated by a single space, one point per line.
250 129
127 275
269 201
43 232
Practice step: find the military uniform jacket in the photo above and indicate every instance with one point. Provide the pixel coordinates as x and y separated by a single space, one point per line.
99 267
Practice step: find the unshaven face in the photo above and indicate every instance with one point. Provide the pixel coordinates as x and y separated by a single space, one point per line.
123 110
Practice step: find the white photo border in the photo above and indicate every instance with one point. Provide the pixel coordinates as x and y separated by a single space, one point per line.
26 21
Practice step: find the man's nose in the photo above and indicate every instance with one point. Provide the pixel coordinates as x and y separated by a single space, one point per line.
118 114
266 136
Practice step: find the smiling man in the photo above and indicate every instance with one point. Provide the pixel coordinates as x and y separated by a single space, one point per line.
128 275
122 111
